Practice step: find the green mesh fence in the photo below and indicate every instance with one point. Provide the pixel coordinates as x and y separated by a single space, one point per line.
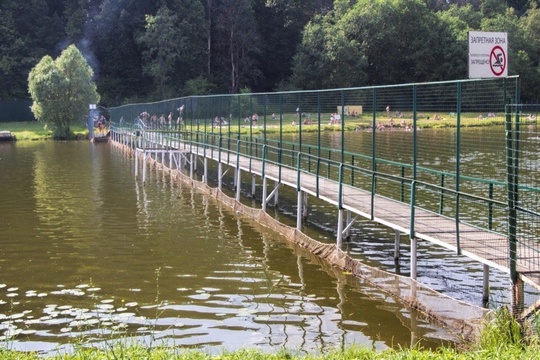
449 148
523 163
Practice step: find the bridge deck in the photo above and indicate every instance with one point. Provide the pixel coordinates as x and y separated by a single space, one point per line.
480 245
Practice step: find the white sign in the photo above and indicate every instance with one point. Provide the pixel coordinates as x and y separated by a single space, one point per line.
488 54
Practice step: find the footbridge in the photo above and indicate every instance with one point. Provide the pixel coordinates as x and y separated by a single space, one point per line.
490 218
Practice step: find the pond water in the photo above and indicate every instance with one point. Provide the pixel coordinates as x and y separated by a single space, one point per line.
87 251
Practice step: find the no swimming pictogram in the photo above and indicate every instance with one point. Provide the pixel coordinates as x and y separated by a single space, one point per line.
497 61
488 54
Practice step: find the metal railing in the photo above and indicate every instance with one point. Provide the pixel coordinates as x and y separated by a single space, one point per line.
289 130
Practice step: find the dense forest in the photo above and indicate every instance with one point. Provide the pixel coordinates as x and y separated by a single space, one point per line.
144 50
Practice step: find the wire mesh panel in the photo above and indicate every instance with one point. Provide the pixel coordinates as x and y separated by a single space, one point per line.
524 188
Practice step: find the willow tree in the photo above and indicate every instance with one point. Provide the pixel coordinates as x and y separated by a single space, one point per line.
61 90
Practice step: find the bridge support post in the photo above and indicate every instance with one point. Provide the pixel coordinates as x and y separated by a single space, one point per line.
144 167
397 239
299 210
253 185
305 206
220 175
340 228
191 166
485 286
348 222
276 193
413 257
162 146
136 162
264 194
238 183
518 297
205 180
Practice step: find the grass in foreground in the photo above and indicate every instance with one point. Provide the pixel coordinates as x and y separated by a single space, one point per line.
501 338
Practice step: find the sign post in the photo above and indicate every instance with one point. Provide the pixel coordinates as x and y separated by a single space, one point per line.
488 54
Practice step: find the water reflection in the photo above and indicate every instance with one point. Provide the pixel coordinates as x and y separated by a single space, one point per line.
87 250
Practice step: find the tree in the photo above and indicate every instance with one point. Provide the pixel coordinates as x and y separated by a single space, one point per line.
239 43
27 33
377 42
328 58
174 46
61 90
116 28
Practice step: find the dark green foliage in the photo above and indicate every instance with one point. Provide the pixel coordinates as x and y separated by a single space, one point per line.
223 46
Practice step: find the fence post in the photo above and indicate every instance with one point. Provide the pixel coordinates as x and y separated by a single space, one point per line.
441 197
458 164
373 154
512 213
340 207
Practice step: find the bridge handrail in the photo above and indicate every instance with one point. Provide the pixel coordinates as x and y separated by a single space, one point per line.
381 161
298 155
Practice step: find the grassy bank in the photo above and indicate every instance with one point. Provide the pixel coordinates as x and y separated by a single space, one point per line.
291 123
501 338
34 130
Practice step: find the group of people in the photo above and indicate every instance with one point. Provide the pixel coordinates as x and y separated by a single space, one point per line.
252 119
100 124
391 126
488 115
161 121
335 119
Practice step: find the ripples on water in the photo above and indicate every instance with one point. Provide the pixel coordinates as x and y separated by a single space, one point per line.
87 250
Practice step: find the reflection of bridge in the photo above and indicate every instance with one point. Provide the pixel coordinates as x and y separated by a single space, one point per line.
427 190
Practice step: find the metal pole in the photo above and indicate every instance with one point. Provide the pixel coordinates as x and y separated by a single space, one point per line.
220 176
413 258
373 155
485 287
299 210
340 228
397 239
238 183
458 165
264 193
205 170
191 165
144 167
136 162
